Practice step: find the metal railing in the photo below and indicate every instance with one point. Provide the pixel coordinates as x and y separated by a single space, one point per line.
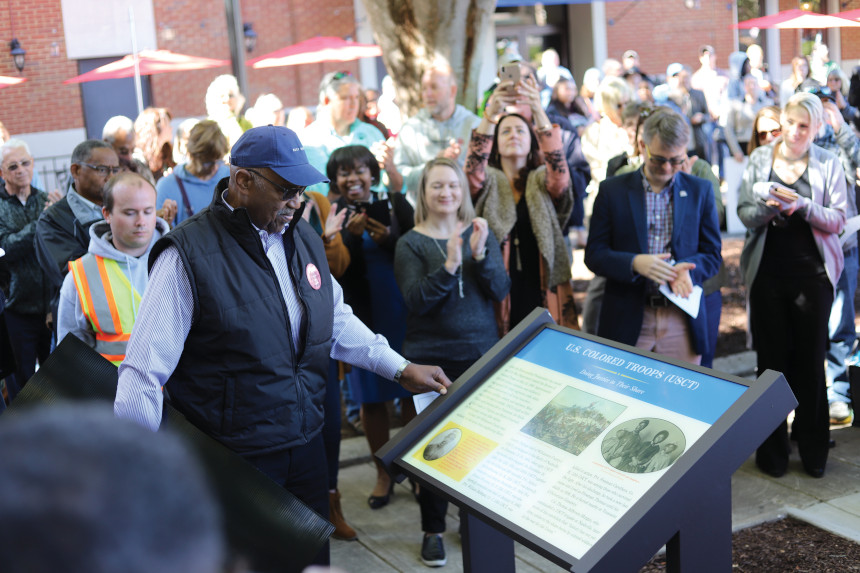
54 172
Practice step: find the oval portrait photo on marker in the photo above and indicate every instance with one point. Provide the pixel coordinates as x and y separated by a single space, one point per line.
643 445
442 444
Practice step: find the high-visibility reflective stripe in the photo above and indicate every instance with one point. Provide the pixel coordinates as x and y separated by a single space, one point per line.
82 285
116 359
127 298
111 300
108 299
113 337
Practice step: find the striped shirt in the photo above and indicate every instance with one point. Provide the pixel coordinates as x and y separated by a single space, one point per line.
165 317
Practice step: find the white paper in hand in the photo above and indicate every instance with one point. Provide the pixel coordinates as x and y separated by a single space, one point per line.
690 305
852 225
423 400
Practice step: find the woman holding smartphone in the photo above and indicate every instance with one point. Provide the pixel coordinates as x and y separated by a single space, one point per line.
371 230
792 201
520 183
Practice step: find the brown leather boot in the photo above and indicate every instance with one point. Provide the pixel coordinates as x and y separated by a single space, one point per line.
342 530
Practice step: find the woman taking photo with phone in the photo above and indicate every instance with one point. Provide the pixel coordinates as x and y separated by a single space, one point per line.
520 184
450 271
793 201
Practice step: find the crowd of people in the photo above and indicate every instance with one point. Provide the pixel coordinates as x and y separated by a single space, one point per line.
265 272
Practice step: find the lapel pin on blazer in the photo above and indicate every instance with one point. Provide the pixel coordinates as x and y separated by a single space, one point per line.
682 193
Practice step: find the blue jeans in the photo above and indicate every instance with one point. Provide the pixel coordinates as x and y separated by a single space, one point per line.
841 330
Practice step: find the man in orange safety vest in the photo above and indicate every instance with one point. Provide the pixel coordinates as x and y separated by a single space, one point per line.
101 293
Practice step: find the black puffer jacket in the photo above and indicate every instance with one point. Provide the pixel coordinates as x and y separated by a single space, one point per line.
28 291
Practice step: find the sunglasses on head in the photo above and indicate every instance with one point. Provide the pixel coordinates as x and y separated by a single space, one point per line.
339 76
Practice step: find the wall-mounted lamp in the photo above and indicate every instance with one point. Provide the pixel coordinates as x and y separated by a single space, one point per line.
17 53
250 37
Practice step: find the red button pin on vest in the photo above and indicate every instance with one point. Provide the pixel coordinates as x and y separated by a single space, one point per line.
313 275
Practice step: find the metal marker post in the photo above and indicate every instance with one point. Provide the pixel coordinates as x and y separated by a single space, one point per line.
138 90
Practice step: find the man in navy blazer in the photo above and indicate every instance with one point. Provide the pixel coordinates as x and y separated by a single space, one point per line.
654 226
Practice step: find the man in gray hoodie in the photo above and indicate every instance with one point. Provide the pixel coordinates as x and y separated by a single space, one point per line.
101 293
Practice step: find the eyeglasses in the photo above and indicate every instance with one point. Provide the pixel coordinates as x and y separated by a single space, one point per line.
660 161
287 193
14 166
772 133
103 170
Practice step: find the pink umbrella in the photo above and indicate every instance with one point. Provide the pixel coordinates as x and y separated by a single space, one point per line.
150 62
799 19
850 14
316 50
6 81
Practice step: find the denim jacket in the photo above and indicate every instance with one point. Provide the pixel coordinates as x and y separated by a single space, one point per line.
825 211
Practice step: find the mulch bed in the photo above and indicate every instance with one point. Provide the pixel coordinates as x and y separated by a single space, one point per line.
783 546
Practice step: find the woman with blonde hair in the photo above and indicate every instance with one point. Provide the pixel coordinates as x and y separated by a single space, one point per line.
450 271
793 201
606 138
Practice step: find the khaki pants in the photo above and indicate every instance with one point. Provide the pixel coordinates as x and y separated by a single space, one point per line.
666 331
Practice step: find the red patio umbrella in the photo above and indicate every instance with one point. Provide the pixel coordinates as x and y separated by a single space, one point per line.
316 50
850 14
150 62
6 81
799 19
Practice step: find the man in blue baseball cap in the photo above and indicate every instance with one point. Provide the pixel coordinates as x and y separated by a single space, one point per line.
241 316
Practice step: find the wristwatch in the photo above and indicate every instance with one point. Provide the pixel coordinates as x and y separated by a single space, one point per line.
400 370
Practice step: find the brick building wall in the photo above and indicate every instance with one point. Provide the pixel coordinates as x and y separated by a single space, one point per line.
790 43
789 40
850 36
41 103
196 27
200 28
666 31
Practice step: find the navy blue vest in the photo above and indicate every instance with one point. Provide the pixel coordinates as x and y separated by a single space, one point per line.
239 378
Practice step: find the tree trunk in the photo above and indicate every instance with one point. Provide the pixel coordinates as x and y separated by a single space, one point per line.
412 33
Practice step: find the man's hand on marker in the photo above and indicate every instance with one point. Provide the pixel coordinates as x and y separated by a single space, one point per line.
420 378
